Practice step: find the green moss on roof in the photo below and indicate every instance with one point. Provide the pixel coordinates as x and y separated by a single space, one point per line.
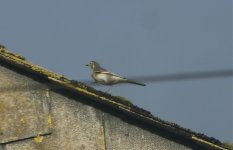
228 145
125 100
4 50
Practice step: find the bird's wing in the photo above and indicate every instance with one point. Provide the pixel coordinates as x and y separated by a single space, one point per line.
109 73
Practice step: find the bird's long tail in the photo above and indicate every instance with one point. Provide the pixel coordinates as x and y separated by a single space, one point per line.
134 82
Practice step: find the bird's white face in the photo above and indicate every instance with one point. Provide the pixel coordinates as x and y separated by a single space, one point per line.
91 64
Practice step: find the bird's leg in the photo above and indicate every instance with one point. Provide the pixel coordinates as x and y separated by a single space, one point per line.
108 89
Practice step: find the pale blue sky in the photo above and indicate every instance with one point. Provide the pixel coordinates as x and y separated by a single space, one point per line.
135 38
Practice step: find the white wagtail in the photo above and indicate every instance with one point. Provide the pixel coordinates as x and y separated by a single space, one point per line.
105 77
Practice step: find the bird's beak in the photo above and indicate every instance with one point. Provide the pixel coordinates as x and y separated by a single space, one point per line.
87 64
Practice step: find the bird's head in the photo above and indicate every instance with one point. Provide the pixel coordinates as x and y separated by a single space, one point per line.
93 64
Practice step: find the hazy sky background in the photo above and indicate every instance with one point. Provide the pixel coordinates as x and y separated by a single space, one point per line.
135 38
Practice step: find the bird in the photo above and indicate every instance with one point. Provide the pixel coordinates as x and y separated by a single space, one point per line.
105 77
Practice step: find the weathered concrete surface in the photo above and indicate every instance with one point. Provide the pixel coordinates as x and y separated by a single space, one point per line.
24 113
75 127
121 135
28 110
